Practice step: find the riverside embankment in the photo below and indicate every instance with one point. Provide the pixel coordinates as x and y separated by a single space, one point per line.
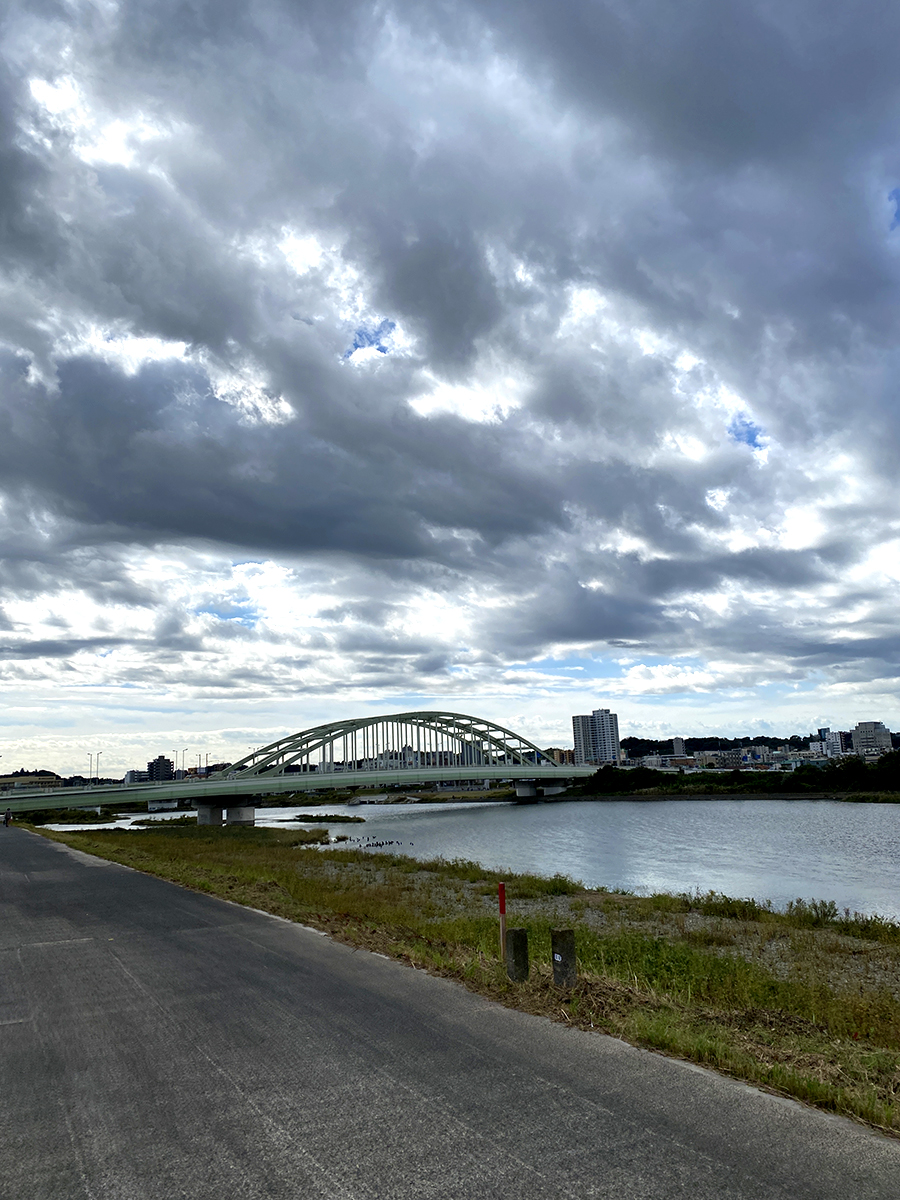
804 1002
159 1042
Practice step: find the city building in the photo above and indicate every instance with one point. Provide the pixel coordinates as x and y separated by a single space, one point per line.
597 737
136 777
760 752
33 779
708 758
837 742
678 747
160 769
566 758
871 738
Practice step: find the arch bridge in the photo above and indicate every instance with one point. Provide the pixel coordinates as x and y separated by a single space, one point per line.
400 741
408 749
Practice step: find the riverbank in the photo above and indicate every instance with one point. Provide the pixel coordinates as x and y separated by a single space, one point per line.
661 793
805 1003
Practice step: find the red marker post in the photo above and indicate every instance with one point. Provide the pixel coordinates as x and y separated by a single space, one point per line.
501 896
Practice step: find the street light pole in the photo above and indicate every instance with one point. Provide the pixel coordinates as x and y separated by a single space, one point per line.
90 770
99 752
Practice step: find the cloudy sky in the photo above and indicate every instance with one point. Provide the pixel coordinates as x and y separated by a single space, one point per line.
517 359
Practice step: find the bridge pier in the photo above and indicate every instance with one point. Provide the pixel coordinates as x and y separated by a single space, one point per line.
242 815
526 789
231 814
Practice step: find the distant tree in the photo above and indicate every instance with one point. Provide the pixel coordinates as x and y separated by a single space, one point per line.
885 773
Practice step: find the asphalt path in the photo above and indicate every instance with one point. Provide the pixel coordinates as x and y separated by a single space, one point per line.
159 1043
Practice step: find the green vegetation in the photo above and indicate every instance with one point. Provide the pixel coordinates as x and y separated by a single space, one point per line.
848 778
805 1002
78 816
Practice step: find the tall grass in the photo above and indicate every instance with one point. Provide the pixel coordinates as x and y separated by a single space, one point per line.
686 991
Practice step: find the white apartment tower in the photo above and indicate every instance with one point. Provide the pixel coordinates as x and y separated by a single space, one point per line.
596 737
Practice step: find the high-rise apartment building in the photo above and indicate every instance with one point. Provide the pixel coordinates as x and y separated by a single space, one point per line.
596 737
678 747
160 769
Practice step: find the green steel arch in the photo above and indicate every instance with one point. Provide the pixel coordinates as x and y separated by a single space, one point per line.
398 740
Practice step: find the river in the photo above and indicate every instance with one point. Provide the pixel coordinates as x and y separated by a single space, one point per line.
775 850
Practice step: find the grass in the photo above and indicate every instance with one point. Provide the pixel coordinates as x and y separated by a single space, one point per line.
803 1002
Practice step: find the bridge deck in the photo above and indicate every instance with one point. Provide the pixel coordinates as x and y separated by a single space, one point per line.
206 791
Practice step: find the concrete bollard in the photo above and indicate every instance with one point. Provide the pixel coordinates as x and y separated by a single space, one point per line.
517 954
562 948
501 896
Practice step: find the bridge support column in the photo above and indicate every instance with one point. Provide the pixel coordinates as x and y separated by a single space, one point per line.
243 815
209 814
526 789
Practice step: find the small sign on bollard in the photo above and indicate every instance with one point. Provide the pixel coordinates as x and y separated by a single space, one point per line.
562 948
517 954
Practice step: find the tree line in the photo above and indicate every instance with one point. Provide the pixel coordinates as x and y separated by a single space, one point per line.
849 774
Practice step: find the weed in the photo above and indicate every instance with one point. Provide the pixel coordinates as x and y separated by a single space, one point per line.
677 973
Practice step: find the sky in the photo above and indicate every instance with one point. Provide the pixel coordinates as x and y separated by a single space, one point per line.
512 359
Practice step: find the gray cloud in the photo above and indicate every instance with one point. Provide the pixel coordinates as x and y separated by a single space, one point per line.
658 246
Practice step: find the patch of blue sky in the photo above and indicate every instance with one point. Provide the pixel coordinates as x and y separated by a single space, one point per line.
743 429
236 613
375 337
576 667
612 667
894 198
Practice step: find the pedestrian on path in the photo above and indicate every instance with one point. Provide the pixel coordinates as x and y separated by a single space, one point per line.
7 817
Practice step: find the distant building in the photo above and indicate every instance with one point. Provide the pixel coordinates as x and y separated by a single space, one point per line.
761 753
30 779
201 772
871 737
837 742
160 770
564 757
136 777
678 747
597 737
708 758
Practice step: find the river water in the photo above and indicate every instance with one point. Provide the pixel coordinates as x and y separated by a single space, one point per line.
775 850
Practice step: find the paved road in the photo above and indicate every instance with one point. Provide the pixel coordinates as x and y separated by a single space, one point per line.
161 1044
